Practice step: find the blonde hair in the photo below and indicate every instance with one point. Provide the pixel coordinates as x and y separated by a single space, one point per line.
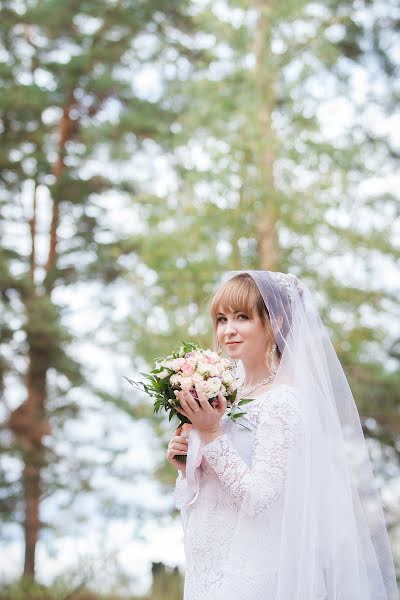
240 294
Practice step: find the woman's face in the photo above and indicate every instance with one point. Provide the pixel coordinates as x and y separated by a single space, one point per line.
241 336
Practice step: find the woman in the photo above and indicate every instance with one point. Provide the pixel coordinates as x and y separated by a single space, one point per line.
282 504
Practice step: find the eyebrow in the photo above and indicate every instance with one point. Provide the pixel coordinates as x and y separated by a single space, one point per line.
235 313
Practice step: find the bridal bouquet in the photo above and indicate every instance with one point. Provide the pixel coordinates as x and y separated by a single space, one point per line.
181 370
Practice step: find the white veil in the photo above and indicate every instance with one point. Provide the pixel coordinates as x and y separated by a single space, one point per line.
333 541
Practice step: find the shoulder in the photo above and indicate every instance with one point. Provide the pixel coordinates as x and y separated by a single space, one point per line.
285 394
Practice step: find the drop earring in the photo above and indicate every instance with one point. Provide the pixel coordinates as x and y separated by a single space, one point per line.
272 365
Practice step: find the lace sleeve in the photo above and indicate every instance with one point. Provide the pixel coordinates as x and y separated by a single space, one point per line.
182 495
257 489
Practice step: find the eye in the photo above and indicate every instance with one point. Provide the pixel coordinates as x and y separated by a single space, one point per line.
219 319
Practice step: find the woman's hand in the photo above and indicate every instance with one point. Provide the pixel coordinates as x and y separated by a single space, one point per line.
204 417
179 445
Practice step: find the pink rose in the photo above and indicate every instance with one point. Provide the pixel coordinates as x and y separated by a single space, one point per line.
187 369
210 357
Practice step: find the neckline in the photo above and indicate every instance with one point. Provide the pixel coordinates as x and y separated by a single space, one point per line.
271 389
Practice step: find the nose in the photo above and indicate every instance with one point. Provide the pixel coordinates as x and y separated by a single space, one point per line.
230 328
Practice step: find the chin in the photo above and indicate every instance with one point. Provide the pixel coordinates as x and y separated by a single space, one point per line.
233 349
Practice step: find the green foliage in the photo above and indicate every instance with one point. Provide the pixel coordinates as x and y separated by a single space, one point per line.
315 181
167 584
239 114
71 117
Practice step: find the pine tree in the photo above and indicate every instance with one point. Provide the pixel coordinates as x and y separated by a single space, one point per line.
269 181
72 115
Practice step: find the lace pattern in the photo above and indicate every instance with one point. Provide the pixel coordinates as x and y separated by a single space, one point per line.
258 488
242 468
182 494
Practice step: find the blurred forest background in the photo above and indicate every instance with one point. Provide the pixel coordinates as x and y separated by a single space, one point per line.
147 147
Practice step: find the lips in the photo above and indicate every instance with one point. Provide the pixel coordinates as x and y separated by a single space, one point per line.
231 343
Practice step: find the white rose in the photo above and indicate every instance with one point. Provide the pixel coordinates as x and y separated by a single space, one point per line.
211 356
226 362
213 371
220 367
162 374
214 386
166 364
227 377
186 383
203 368
177 363
175 379
197 378
234 386
207 389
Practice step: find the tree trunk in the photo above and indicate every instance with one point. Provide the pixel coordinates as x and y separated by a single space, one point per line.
29 425
31 482
264 76
28 422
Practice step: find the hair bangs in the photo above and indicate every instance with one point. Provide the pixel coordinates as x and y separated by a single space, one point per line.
238 294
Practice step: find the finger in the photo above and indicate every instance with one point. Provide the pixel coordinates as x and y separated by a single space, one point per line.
222 403
182 440
175 452
179 439
205 405
181 411
172 453
183 405
181 399
177 446
190 401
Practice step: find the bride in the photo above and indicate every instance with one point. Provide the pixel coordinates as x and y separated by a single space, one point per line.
282 504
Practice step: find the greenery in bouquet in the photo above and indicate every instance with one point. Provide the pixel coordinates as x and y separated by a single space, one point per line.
185 367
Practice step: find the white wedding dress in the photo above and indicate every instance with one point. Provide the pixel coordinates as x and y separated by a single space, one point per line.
243 468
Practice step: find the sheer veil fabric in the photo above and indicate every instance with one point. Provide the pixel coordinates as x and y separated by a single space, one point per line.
334 543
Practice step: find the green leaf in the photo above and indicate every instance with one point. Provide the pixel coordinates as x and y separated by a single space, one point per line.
239 415
245 401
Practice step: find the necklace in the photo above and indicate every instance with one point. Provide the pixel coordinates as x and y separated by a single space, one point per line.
264 381
255 387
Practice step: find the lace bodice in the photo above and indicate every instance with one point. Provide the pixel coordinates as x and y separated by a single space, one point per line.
244 469
258 487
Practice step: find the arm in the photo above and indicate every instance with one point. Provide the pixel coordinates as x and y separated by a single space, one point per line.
257 489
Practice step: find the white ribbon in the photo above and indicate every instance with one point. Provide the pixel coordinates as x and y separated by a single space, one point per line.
193 460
